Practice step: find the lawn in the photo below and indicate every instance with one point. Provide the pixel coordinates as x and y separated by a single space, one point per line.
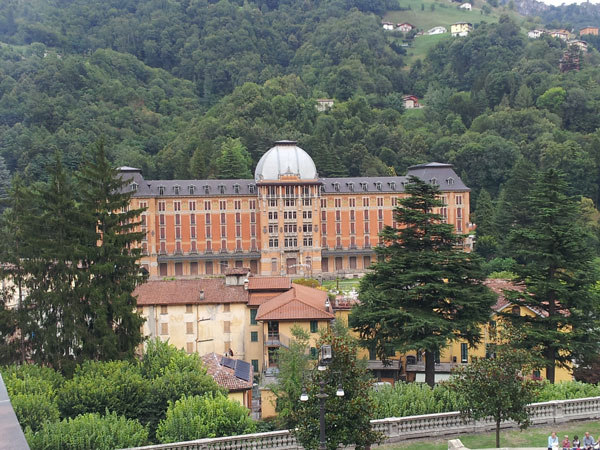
344 284
531 437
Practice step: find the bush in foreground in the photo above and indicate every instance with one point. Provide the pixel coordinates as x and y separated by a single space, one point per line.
89 432
204 416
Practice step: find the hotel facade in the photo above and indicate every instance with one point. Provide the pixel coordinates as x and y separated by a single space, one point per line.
285 221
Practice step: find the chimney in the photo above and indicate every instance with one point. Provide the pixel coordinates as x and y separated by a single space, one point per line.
246 283
202 295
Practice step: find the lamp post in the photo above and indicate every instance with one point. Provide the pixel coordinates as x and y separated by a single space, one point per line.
324 360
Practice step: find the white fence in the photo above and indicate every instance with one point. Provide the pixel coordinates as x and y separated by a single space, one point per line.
402 428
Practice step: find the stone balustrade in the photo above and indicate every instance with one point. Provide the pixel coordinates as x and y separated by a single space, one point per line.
397 429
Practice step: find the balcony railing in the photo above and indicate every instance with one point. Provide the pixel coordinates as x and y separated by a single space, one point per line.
276 339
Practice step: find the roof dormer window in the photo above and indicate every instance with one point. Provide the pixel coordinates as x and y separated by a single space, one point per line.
206 189
336 187
450 181
221 189
392 185
350 186
433 181
236 188
176 189
161 190
251 188
191 189
363 185
378 185
134 186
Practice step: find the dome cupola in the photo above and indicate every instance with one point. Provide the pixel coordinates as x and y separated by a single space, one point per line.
285 159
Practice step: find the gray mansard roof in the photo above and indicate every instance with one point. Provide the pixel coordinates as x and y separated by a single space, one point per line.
441 174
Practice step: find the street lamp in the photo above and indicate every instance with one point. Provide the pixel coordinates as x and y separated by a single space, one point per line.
324 360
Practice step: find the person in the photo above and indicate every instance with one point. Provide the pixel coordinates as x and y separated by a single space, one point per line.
552 441
588 441
575 445
566 445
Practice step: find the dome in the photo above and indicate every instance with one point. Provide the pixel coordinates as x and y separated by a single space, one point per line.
285 158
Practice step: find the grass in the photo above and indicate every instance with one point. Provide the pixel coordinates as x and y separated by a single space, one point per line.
531 437
444 14
344 284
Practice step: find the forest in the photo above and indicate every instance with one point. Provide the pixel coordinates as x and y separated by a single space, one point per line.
169 85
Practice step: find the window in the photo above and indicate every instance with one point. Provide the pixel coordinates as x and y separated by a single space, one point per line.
191 189
161 190
314 326
134 186
307 228
307 241
378 185
188 309
207 205
255 365
380 201
337 202
338 215
272 215
222 205
251 188
176 206
365 201
192 206
459 199
226 326
350 186
237 204
323 216
226 307
307 214
352 202
164 329
163 309
161 206
323 203
208 267
274 268
206 189
189 328
236 188
176 189
189 347
253 317
464 353
254 336
221 189
273 243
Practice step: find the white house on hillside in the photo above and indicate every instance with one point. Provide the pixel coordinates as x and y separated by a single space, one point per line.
437 30
535 34
388 26
466 6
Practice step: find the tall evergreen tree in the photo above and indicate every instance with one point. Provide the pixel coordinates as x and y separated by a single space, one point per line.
554 267
54 311
234 161
484 218
113 326
423 292
4 184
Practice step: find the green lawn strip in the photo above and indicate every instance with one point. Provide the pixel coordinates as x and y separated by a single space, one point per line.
345 285
531 437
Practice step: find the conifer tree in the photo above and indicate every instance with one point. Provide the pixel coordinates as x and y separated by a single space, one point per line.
554 267
234 161
53 308
484 218
423 292
113 326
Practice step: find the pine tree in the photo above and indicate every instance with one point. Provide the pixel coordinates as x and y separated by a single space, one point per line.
52 228
484 218
234 161
4 184
554 267
423 292
113 326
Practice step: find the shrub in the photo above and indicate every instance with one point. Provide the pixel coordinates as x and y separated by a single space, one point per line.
172 373
115 386
29 371
210 415
566 390
89 432
34 410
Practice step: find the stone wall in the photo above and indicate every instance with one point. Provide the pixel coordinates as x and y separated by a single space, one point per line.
398 429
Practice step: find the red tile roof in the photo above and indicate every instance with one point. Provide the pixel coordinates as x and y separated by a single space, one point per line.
269 283
299 303
498 286
181 292
225 376
258 298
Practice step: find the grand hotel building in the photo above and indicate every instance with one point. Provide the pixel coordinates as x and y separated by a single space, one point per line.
286 221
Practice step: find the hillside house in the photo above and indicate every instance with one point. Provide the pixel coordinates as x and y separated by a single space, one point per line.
589 30
388 26
411 102
466 6
234 375
323 104
437 30
404 27
535 34
581 45
560 34
461 29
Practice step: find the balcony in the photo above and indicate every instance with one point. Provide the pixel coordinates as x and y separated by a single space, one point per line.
275 339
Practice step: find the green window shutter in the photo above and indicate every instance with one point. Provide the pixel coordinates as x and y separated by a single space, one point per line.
255 365
314 326
313 353
253 316
254 336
